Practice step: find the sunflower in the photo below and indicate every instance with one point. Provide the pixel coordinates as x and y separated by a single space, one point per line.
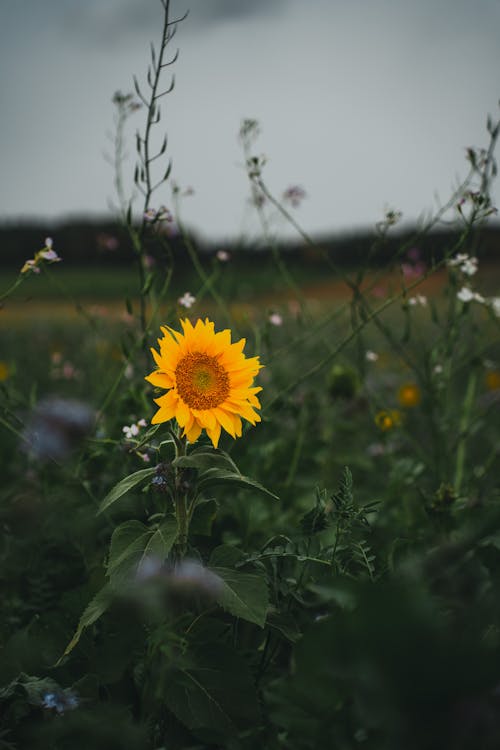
409 395
208 381
386 420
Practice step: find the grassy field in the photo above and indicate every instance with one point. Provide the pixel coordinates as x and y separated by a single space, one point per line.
254 504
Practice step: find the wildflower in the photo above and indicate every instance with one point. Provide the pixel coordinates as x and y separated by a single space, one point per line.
387 420
144 457
208 379
418 299
4 371
191 577
438 369
466 264
492 380
495 304
467 295
47 253
134 429
164 214
413 271
187 300
469 267
457 260
223 256
30 265
69 372
56 427
376 449
185 579
409 395
150 214
60 701
276 319
107 242
294 195
371 356
249 129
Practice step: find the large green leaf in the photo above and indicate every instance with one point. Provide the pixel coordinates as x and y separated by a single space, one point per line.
244 595
214 694
132 542
98 605
213 477
124 485
207 458
203 517
226 556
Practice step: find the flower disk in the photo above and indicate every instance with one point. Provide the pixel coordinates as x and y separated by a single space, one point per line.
208 381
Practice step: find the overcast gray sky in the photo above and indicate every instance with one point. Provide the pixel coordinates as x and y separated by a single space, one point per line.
366 104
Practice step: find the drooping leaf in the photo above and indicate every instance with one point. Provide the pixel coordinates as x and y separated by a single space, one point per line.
132 542
244 595
213 477
124 485
91 614
207 458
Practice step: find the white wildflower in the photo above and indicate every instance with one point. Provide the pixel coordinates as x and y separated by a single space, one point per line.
276 319
458 260
418 299
466 264
187 300
495 304
132 430
467 295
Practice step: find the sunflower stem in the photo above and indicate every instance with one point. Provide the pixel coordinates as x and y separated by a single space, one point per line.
181 510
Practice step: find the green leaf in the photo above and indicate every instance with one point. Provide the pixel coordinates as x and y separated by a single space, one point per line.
132 542
244 595
203 517
226 556
214 695
124 486
213 477
91 614
207 458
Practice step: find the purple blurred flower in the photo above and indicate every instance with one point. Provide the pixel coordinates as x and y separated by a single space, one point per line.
56 427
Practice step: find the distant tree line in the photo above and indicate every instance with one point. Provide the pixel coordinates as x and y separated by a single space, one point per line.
107 244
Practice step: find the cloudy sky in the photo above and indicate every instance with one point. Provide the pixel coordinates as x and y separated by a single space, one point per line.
367 104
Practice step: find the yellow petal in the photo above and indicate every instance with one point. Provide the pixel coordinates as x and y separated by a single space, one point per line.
226 420
182 413
160 379
214 434
193 433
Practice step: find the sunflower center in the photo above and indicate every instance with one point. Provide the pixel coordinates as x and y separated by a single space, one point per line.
202 382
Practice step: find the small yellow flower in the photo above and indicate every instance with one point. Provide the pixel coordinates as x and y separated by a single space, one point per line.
409 395
4 371
386 420
208 381
492 380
